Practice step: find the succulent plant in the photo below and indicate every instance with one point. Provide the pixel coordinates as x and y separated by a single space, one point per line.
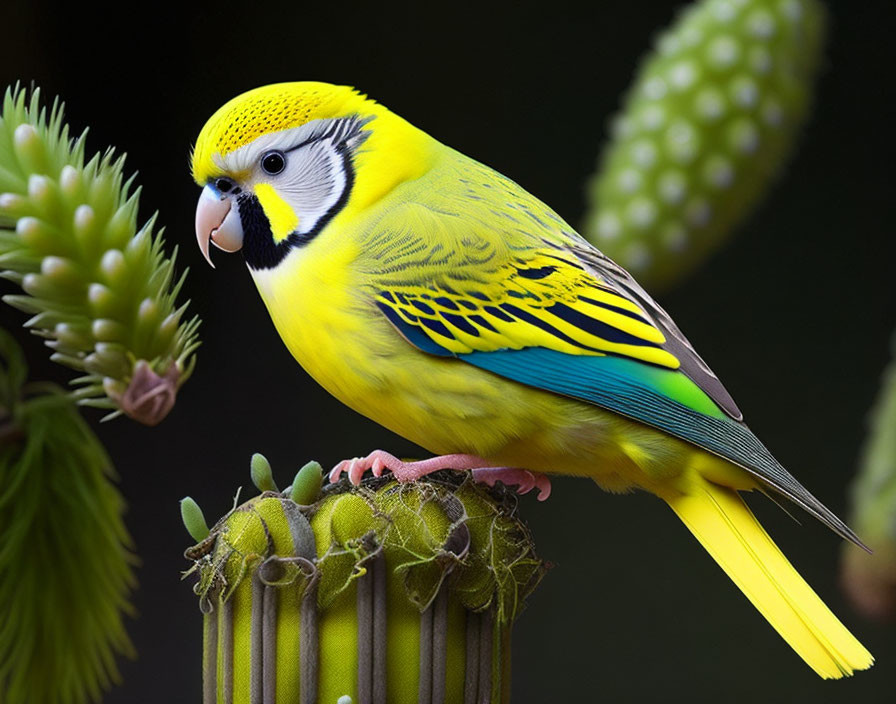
710 120
870 580
100 291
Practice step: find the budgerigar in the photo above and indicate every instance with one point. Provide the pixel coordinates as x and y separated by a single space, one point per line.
439 298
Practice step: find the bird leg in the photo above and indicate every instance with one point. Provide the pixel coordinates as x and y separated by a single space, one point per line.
379 461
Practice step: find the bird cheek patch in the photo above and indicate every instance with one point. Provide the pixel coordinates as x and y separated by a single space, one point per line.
282 218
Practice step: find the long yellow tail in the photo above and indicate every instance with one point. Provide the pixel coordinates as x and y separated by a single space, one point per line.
721 521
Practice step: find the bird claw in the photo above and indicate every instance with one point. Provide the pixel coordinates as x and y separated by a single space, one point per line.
354 469
523 479
378 467
379 461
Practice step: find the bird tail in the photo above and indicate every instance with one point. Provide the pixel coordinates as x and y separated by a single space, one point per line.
729 531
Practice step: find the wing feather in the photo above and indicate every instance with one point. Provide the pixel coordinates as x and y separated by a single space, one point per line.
663 399
539 302
692 365
499 281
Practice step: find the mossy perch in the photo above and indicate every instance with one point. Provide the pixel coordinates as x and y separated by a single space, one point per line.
385 592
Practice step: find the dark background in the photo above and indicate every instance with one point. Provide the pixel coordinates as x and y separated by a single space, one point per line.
795 315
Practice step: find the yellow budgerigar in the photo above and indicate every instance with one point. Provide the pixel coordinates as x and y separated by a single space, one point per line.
442 300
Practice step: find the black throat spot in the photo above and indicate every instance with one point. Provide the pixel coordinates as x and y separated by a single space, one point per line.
259 248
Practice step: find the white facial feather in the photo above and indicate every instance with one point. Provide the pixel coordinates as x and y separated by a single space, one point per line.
315 175
312 182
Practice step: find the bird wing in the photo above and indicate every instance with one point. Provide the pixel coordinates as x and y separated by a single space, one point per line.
497 280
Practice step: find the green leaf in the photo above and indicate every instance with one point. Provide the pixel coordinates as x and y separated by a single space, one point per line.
194 519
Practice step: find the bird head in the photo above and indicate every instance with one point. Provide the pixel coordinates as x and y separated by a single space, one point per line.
277 164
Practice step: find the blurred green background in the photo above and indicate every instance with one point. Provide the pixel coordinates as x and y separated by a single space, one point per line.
795 314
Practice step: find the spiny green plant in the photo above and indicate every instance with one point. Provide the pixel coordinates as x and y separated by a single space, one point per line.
65 554
100 291
712 117
870 580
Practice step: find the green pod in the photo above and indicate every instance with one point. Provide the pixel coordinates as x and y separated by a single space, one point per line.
69 237
711 118
37 239
63 272
385 592
45 198
30 150
114 268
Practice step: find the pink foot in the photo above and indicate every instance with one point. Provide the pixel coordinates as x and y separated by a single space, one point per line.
524 479
379 461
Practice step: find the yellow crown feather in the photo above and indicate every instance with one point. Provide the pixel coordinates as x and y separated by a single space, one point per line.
264 110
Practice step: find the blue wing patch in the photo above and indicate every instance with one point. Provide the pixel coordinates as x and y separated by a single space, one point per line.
647 394
662 398
413 334
658 397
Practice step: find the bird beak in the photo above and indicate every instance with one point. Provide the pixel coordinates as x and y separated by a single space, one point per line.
218 222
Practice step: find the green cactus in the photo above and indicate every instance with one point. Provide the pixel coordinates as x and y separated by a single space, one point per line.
65 560
385 592
713 115
870 580
100 291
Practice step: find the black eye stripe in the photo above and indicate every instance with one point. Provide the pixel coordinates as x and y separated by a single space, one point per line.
259 248
338 132
303 144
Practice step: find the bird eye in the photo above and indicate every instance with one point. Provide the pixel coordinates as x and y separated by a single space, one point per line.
273 163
